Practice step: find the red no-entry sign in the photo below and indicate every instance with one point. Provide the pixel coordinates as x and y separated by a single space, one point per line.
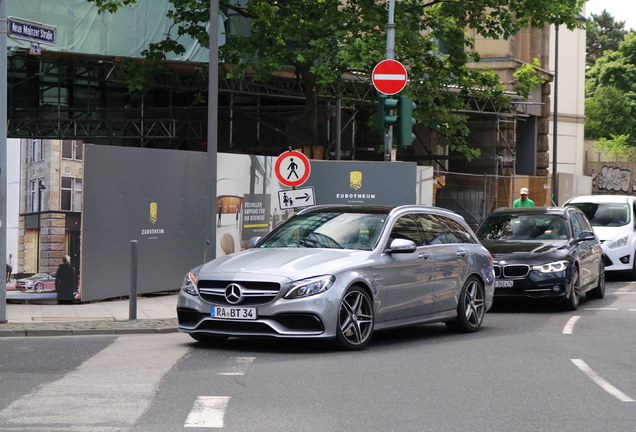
389 77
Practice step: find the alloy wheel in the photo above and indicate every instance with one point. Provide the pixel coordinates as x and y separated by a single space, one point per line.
571 302
355 321
474 303
471 307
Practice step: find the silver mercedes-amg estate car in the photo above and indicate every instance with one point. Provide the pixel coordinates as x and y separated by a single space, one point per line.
341 272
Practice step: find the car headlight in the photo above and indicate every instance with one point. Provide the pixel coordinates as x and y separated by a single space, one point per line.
618 242
311 286
552 267
190 284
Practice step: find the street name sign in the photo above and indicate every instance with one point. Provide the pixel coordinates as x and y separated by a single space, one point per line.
32 31
296 198
389 77
292 168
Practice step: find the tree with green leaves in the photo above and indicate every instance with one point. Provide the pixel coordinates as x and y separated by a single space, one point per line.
326 40
603 33
611 94
619 148
608 113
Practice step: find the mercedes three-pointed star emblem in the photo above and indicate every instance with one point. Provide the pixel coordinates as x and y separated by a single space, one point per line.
234 293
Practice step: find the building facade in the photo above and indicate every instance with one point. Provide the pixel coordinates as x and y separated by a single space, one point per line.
567 97
50 204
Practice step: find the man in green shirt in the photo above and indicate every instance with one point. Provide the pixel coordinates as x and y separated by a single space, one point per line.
524 201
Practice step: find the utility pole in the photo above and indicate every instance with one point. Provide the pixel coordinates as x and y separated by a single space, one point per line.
390 55
555 118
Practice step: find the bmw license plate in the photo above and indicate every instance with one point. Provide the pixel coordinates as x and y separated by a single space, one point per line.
236 313
503 283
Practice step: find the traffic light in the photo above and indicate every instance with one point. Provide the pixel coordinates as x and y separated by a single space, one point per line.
405 121
385 105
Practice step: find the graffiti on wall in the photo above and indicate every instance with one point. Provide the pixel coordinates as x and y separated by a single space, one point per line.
613 179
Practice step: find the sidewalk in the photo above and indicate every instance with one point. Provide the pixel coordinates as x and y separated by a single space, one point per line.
33 314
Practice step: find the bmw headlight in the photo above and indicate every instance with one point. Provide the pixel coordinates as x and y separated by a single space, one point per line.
311 286
190 284
552 267
618 242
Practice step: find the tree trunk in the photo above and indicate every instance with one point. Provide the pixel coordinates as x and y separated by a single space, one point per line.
311 109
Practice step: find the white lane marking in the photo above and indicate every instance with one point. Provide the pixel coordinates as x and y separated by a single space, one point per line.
601 382
237 365
208 411
602 309
569 326
632 310
108 392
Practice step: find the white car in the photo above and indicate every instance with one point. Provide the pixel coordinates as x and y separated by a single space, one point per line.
613 220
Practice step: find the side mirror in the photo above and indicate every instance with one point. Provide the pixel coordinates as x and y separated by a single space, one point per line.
402 246
253 242
586 235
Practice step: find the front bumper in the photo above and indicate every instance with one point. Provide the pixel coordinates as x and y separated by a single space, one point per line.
618 259
311 317
535 285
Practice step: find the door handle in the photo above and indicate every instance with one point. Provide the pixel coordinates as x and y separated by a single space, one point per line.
423 256
461 254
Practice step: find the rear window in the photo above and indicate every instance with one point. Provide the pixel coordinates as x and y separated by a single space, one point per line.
604 214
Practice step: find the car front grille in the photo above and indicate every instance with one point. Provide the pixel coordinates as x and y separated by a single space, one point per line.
254 293
512 270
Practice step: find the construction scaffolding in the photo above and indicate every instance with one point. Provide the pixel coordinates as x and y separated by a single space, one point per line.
88 98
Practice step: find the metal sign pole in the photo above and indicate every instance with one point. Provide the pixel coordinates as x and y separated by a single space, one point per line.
390 54
3 153
213 109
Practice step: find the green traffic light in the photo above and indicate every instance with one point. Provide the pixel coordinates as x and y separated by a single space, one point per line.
385 105
405 121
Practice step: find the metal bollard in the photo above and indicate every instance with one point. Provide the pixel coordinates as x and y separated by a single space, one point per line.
132 302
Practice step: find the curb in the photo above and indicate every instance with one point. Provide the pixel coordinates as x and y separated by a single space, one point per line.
88 328
83 332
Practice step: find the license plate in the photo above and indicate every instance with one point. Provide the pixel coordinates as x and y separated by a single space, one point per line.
236 313
503 284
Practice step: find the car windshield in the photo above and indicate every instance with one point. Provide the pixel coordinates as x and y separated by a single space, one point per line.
338 229
605 214
523 227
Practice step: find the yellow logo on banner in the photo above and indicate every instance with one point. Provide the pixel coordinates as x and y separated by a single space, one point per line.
153 212
355 180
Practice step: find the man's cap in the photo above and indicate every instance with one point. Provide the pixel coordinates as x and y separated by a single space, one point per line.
524 191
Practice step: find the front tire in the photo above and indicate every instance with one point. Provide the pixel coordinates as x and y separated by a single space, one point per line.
571 302
471 307
599 291
632 273
355 319
39 287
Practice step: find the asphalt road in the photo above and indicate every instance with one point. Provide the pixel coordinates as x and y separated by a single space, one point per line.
532 367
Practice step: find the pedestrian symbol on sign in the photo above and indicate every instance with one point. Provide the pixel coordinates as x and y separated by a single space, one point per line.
287 201
292 168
